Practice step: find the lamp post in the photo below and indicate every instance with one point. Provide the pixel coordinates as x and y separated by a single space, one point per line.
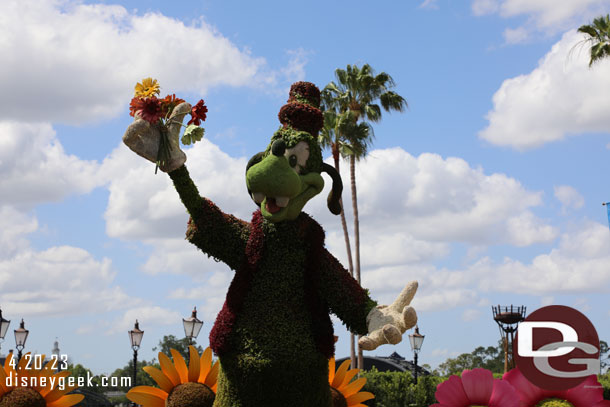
192 326
135 336
416 340
21 335
3 327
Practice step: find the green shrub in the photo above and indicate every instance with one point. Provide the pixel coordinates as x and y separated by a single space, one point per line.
397 389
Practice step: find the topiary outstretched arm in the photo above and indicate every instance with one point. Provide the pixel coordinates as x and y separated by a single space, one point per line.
343 295
217 234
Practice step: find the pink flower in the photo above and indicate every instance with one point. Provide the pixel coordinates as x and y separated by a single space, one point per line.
475 387
587 394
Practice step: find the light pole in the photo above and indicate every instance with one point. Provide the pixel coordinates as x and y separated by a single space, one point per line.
21 335
192 326
135 336
3 327
416 340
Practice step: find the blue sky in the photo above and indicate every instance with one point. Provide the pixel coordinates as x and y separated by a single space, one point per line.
488 190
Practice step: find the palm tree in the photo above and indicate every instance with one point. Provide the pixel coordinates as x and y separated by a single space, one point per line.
599 36
354 98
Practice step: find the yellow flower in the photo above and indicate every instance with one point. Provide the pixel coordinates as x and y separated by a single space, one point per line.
346 394
148 87
25 389
179 385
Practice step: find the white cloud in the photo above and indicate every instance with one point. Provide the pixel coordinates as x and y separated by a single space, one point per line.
146 206
72 62
482 7
212 292
60 281
579 264
542 16
471 314
561 97
515 35
445 200
147 316
14 226
569 197
547 300
34 167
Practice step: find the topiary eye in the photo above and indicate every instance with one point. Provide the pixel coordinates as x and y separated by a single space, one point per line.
292 160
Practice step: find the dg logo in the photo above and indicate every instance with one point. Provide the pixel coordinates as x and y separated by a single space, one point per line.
556 348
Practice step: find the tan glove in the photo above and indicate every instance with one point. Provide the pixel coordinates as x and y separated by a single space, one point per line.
142 138
386 324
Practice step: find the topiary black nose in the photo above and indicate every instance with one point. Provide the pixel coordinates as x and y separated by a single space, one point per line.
278 148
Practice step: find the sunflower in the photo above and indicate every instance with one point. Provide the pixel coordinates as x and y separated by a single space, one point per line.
346 394
32 393
148 87
179 386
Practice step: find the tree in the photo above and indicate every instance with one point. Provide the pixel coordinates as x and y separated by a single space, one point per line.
142 378
604 355
598 34
81 371
181 345
491 358
354 98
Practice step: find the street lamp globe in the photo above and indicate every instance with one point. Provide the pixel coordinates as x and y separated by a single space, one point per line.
21 335
4 323
192 325
416 340
135 336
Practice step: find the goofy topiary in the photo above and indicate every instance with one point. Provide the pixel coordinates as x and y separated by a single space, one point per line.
274 335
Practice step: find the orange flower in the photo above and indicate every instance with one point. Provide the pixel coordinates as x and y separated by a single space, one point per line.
178 385
346 394
169 102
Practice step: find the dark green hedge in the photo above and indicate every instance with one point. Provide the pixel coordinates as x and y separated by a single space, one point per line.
397 389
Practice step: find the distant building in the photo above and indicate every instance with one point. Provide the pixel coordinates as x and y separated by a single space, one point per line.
392 363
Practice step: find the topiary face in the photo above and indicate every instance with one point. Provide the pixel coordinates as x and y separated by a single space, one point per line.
287 176
283 178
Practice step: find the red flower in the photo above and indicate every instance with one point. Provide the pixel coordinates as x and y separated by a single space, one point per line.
169 102
475 387
149 109
198 113
589 393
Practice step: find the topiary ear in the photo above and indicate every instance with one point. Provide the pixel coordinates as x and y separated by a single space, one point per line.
255 159
334 196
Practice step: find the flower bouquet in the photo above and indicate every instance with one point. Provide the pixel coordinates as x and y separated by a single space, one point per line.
158 124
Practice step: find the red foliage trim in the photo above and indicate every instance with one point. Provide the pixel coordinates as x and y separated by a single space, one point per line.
303 117
221 331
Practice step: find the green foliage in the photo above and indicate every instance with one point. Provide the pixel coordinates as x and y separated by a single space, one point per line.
604 380
181 345
81 371
142 378
604 356
397 389
598 34
192 134
490 358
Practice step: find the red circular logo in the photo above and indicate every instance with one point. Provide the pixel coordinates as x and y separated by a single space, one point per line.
556 348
